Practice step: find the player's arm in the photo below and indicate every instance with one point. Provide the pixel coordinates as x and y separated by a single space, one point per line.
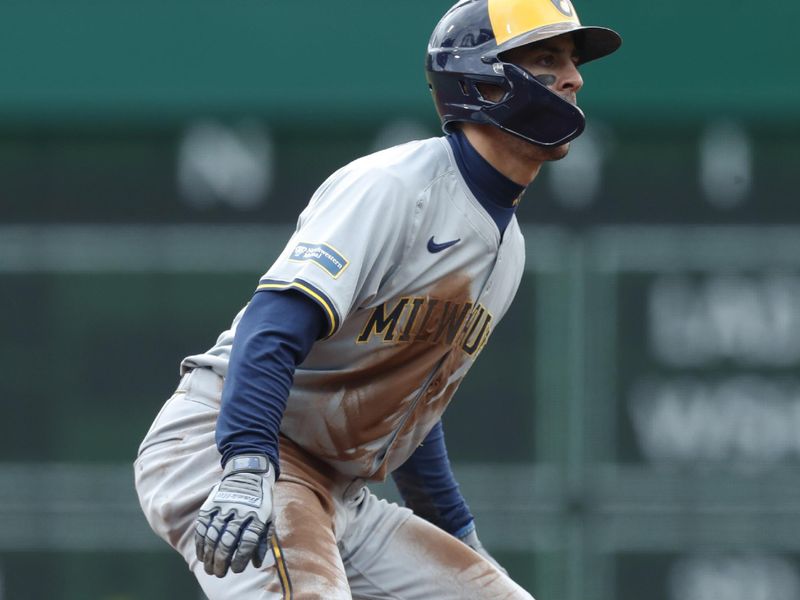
429 488
275 334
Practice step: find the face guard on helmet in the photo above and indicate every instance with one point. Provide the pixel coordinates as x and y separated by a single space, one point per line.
466 50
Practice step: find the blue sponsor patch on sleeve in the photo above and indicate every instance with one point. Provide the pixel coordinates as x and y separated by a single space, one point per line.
324 256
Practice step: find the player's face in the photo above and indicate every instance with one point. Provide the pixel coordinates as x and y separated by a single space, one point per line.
554 63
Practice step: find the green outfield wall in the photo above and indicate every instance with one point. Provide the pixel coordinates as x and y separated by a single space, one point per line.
358 60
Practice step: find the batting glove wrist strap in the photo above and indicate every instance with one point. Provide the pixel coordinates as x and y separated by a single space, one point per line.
247 463
471 539
465 532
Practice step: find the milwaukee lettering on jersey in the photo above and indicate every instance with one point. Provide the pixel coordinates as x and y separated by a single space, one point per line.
430 320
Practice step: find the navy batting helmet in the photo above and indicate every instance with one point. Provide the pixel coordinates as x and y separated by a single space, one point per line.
466 50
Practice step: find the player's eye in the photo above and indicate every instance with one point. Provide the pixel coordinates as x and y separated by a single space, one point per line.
546 60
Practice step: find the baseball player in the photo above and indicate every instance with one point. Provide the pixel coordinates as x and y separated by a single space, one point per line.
339 369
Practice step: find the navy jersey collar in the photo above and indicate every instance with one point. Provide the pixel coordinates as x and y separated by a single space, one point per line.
497 193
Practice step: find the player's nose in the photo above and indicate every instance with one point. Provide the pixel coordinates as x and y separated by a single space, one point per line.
570 80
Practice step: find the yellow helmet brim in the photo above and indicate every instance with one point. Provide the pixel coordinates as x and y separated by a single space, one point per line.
592 42
518 23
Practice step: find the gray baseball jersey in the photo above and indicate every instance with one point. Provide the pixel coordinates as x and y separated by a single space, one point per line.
412 274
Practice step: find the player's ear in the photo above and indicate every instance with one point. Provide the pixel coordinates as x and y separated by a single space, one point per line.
490 93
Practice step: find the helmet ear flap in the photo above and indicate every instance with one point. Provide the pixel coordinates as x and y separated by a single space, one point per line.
534 113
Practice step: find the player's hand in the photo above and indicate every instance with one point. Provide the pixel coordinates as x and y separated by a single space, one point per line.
471 540
232 526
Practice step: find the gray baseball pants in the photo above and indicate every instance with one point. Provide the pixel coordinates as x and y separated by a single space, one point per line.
333 539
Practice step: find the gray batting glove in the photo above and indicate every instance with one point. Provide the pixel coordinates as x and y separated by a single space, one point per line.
232 526
471 540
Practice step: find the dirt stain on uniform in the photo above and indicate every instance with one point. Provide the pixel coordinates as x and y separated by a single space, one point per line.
384 394
466 573
304 515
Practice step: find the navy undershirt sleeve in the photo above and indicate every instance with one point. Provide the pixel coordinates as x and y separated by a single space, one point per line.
274 335
428 487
